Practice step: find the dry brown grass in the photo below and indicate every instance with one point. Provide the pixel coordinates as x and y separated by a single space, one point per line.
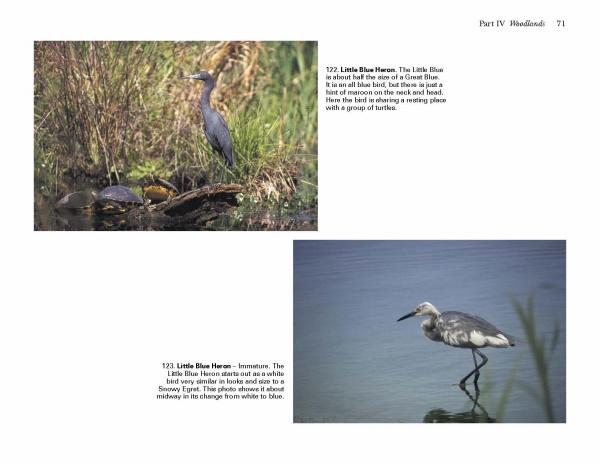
115 110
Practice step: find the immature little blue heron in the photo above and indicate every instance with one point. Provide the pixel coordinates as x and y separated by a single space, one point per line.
463 331
215 127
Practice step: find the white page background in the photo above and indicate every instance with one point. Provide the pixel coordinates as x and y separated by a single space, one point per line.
84 329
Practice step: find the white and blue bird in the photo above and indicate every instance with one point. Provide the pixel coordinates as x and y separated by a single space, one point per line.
461 330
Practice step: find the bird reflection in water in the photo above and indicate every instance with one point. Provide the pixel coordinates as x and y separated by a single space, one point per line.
476 414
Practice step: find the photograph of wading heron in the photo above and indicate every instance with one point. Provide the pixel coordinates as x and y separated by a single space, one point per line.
461 330
359 357
186 135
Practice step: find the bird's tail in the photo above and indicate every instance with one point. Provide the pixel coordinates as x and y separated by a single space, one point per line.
511 340
230 159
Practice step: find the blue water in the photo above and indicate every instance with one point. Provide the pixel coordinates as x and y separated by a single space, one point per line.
354 363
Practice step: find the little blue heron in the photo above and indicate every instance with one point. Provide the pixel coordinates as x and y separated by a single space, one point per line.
461 330
215 127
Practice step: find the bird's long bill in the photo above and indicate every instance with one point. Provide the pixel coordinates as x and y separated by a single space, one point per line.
411 314
191 76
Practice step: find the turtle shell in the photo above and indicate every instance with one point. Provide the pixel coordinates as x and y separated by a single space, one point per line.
77 201
159 190
117 199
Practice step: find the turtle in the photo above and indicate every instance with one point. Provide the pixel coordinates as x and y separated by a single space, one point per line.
78 202
158 190
117 199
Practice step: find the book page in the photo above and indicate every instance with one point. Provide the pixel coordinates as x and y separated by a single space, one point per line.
293 232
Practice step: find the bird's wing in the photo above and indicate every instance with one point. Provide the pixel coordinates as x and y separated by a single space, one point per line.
478 331
217 134
224 139
211 134
470 322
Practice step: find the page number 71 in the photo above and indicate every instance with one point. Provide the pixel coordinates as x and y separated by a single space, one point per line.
560 22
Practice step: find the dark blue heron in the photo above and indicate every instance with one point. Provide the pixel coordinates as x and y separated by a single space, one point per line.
215 127
463 331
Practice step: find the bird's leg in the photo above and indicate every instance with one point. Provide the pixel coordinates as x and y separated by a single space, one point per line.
212 170
464 379
477 371
484 360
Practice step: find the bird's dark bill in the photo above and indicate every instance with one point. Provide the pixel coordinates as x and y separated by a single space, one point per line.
411 314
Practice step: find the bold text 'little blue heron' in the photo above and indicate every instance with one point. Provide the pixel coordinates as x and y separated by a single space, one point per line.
461 330
215 127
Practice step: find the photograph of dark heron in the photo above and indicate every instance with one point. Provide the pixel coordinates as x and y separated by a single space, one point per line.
184 135
366 314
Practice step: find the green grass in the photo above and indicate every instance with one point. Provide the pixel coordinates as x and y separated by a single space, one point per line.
541 351
114 112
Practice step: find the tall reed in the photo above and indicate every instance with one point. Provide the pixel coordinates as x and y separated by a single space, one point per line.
540 352
112 112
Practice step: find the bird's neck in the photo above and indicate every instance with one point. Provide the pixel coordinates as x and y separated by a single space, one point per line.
205 98
429 325
433 316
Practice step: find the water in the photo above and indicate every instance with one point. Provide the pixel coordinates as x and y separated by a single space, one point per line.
354 363
47 218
